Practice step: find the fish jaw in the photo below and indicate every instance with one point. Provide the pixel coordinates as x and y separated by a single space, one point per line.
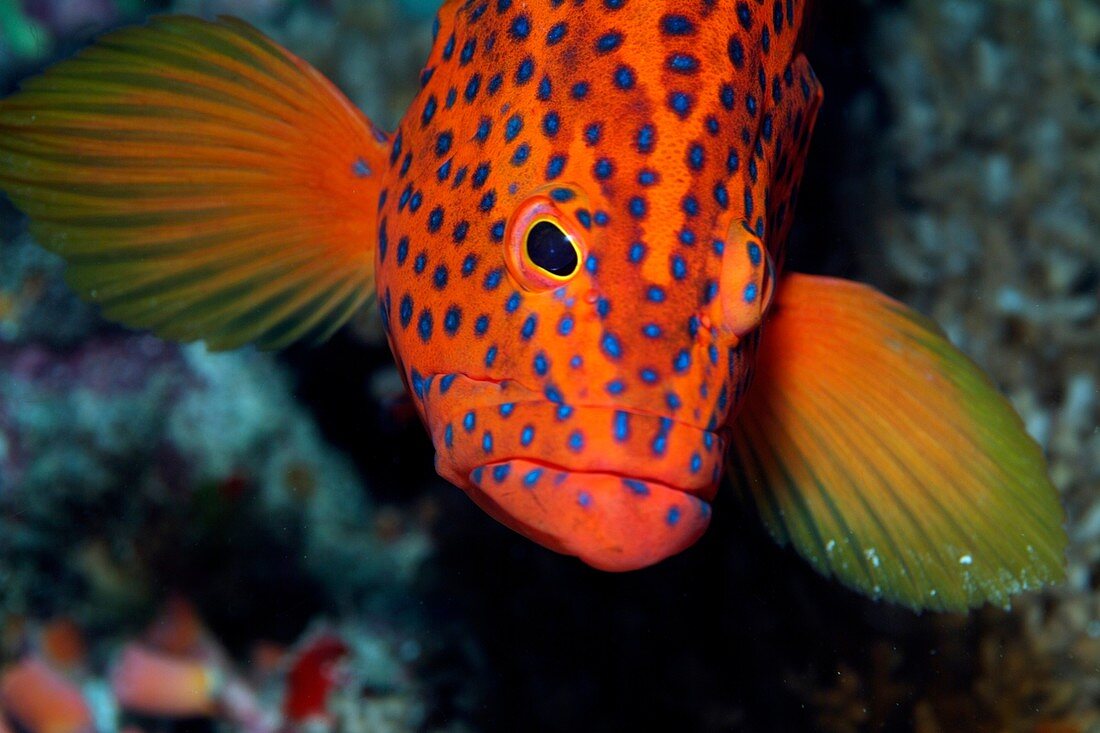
608 521
619 488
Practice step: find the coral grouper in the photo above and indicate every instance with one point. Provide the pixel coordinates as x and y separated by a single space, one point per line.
575 238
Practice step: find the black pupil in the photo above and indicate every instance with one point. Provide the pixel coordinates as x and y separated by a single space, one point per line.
550 249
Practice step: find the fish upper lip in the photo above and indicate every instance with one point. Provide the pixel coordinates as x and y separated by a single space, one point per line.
539 398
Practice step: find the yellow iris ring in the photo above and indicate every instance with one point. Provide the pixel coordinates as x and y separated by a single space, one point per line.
529 263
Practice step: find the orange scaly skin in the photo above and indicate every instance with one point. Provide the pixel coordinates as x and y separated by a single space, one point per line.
667 138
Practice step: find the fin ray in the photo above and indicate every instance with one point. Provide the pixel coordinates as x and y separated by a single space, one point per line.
201 181
887 459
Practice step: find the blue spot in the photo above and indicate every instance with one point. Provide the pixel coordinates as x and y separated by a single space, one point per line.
525 71
529 327
483 130
638 207
673 401
647 136
555 167
551 123
449 436
612 346
453 320
541 364
649 376
469 422
487 442
564 413
513 302
488 202
751 292
473 87
680 103
593 132
500 473
545 89
507 409
527 436
655 294
679 268
425 326
576 441
584 499
677 25
491 356
554 395
683 63
562 195
469 265
637 252
622 426
696 463
673 517
682 362
609 42
446 382
652 330
406 310
616 387
532 477
477 474
690 205
467 53
521 27
523 152
638 488
755 255
440 278
565 326
580 90
556 34
722 195
435 220
361 169
603 169
513 127
481 326
624 78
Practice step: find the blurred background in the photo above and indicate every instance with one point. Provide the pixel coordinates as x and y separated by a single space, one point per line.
266 531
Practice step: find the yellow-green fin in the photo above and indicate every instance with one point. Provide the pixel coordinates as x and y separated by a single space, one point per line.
201 182
888 459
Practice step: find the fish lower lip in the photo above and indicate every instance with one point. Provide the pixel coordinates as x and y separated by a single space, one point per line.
609 521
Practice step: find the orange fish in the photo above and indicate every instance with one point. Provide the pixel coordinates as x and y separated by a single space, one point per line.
575 239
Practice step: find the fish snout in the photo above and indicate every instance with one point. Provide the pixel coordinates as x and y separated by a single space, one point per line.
619 489
608 521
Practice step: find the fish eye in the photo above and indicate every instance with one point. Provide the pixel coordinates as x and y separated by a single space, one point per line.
544 241
551 250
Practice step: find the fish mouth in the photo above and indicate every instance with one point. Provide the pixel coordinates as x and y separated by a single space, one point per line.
617 487
608 521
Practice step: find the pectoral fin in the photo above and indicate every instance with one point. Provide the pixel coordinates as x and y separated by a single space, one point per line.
201 182
888 459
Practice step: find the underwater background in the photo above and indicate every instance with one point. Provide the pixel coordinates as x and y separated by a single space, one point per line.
282 511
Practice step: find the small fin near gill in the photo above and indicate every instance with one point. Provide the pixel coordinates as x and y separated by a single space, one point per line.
201 182
888 459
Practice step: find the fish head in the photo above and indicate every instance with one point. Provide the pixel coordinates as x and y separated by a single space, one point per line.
570 274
